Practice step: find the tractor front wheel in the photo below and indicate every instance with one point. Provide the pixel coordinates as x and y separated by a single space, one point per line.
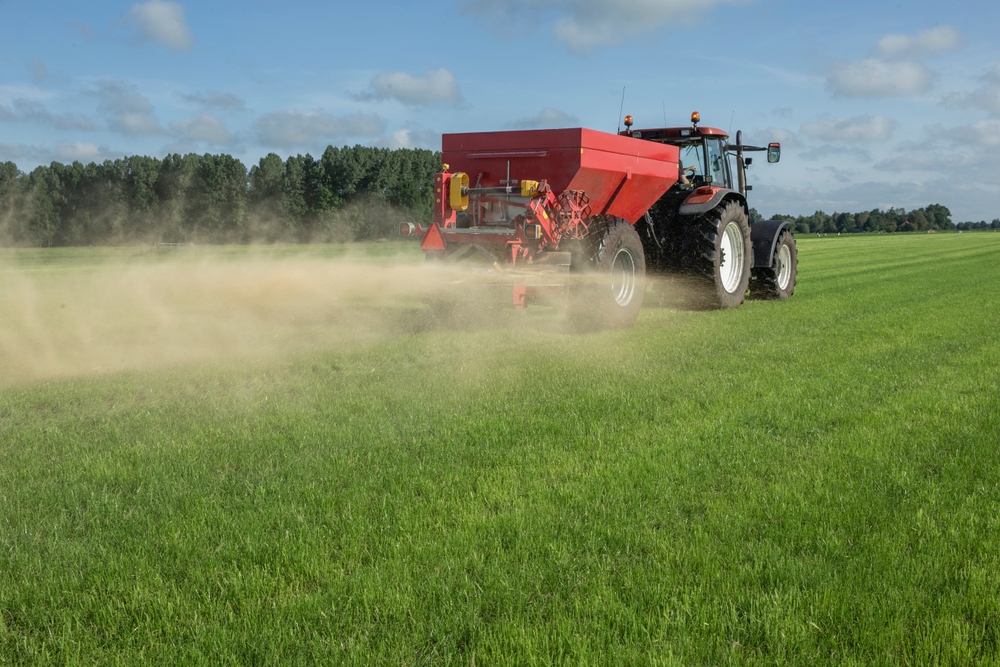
778 280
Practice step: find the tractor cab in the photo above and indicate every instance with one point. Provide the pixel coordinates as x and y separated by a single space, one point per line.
703 155
702 152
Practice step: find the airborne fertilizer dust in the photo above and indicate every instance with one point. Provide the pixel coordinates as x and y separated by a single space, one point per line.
90 311
97 311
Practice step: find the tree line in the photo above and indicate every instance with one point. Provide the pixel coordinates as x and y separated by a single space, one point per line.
348 194
935 217
982 224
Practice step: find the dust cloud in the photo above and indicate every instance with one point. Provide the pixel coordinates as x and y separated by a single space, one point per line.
97 312
88 311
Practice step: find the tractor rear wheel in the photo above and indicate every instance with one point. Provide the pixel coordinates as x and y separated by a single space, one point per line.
719 253
610 280
778 281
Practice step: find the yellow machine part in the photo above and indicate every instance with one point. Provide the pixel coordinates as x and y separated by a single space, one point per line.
459 191
529 188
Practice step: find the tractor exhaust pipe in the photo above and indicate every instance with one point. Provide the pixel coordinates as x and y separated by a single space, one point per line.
741 168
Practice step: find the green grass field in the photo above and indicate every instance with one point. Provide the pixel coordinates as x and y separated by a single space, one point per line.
809 482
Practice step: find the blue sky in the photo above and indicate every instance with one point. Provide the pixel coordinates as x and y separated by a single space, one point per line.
876 104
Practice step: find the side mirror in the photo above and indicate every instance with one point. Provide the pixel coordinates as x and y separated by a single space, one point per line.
773 152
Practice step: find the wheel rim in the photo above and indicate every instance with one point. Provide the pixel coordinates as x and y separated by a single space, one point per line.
731 265
784 266
623 278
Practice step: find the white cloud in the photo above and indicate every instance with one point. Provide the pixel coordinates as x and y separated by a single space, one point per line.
546 118
854 129
304 129
17 153
136 123
30 111
435 86
893 70
83 152
215 100
161 22
926 42
11 91
203 127
920 159
873 77
786 138
910 162
583 25
835 152
983 133
410 138
128 111
986 97
28 157
841 175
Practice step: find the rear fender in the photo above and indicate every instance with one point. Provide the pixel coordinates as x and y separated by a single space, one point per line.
706 198
763 237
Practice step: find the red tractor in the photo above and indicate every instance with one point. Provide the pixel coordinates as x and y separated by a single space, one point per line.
605 208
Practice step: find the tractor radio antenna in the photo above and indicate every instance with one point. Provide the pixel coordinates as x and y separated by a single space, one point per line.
620 109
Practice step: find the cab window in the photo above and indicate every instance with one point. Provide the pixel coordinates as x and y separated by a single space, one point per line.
693 155
718 163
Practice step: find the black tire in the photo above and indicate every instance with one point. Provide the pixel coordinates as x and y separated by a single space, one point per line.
610 276
718 281
778 281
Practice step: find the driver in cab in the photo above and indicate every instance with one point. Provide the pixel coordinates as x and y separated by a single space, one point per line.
687 174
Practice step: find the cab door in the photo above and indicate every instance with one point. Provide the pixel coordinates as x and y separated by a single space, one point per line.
718 163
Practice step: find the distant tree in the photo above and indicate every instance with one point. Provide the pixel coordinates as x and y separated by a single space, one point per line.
755 216
919 220
295 189
9 177
940 216
823 223
265 182
10 191
139 175
217 200
177 174
844 222
42 207
874 221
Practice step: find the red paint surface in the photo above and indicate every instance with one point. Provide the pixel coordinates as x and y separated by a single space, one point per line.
702 195
433 240
569 159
